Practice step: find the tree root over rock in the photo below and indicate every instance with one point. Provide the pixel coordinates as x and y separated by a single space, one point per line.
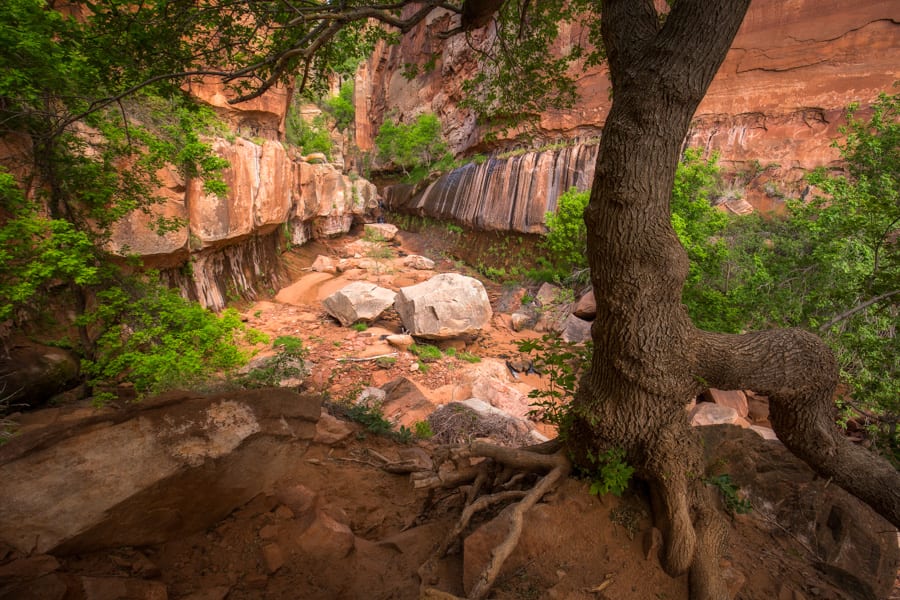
498 473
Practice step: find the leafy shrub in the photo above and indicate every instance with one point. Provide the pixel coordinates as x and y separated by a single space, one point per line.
566 240
418 145
310 137
563 364
157 340
734 503
341 107
610 474
289 362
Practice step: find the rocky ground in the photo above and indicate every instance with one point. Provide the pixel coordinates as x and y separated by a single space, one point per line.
265 495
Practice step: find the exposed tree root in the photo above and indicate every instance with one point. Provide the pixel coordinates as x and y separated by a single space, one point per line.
485 476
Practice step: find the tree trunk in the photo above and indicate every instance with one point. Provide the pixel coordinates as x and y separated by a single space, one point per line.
649 360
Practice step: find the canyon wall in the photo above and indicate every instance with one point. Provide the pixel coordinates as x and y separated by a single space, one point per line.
228 246
773 110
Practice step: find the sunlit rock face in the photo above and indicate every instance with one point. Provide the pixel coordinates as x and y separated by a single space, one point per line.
778 99
508 194
261 117
227 246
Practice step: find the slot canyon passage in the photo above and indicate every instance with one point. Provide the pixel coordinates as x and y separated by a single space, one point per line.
235 367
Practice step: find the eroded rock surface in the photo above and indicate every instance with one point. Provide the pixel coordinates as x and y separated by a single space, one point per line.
171 466
445 306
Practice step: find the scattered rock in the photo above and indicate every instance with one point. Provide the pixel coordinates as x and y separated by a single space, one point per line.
31 373
405 402
447 305
502 396
519 321
736 399
299 498
273 557
586 307
420 263
708 413
757 408
192 460
548 294
331 430
371 396
380 231
46 587
848 537
575 330
400 341
28 568
327 538
324 264
359 301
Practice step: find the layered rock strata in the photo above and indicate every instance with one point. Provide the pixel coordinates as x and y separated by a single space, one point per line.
227 245
773 110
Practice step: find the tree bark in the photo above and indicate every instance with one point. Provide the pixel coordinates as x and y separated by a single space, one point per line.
649 359
640 376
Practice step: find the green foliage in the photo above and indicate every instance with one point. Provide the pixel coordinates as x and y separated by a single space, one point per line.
288 363
35 253
531 74
423 430
371 417
418 145
359 326
426 352
610 473
156 340
468 357
563 364
566 240
385 362
701 229
341 107
310 136
734 503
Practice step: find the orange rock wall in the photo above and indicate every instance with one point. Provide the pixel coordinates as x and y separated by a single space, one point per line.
778 98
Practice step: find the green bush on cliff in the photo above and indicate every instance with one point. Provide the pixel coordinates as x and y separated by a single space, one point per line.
417 146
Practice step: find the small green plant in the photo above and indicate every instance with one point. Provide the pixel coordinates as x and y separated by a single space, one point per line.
734 504
454 228
361 326
404 435
371 417
468 357
370 234
385 362
562 363
423 430
255 336
289 362
610 474
257 314
426 352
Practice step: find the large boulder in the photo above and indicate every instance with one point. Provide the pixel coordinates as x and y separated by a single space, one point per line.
855 548
31 373
166 468
359 301
446 306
